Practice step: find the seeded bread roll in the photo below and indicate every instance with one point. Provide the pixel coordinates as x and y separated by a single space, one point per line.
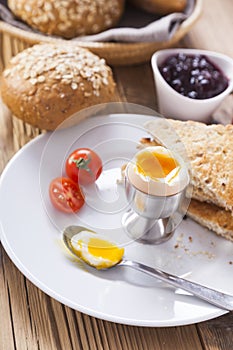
162 7
47 83
68 18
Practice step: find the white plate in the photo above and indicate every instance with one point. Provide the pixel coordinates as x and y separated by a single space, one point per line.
31 233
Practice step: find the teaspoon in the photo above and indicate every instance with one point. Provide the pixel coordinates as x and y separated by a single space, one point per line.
214 297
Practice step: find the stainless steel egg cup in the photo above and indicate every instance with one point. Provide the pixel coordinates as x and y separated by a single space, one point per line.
153 219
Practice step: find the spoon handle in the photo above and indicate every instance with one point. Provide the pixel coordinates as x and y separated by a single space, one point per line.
223 301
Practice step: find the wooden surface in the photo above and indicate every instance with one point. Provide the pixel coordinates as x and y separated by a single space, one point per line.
29 319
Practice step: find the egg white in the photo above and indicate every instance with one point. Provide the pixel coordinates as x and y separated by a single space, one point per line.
82 249
173 183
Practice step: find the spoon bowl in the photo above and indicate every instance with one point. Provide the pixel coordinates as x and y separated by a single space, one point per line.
71 231
219 299
91 247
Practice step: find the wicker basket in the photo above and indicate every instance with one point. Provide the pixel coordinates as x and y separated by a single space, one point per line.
14 40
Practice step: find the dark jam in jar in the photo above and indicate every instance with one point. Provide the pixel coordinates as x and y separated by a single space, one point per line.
194 76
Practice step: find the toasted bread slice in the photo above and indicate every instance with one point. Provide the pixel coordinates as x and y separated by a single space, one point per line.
214 218
209 152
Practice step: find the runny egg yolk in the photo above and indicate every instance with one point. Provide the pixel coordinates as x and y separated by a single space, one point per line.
98 252
154 165
104 249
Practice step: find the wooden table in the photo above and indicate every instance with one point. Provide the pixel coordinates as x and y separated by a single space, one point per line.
32 320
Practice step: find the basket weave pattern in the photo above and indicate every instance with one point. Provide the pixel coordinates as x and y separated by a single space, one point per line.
14 40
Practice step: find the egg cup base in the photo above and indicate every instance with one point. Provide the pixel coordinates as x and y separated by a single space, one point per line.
147 231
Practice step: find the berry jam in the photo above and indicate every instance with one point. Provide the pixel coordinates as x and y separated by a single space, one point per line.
194 76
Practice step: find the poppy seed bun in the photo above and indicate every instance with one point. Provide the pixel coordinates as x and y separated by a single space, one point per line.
47 83
68 18
161 7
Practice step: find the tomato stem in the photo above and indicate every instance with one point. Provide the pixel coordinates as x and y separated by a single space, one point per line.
82 163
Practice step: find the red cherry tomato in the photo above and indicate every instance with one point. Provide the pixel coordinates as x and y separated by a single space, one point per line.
66 195
83 166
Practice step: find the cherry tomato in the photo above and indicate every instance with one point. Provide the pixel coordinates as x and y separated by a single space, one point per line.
66 195
83 166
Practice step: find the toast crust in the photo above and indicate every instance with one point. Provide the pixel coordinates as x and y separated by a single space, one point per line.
214 218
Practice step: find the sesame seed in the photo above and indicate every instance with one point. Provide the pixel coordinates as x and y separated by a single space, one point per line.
41 79
33 74
87 94
67 76
33 81
27 8
6 72
48 6
74 86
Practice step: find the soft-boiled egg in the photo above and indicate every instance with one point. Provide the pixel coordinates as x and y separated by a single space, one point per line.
156 171
95 250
